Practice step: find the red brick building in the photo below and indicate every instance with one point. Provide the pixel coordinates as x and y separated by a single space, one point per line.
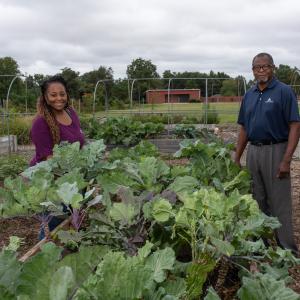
176 96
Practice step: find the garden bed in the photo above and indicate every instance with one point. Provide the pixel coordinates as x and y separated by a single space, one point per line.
231 283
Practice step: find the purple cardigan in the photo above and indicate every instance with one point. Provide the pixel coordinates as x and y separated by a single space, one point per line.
41 136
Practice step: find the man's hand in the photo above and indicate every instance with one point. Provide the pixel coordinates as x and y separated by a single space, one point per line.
284 169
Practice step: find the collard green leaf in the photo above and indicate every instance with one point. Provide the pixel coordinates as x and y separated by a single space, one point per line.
162 210
159 262
122 212
84 261
62 282
69 194
183 218
175 287
72 177
211 294
10 269
222 246
184 184
118 278
114 181
265 287
145 250
37 272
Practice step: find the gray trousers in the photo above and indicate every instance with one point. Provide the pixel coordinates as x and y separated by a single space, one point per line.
272 194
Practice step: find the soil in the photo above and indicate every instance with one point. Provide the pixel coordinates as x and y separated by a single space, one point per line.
28 228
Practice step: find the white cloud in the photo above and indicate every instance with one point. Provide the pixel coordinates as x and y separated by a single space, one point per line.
190 35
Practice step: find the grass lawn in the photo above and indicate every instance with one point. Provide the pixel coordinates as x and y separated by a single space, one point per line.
227 111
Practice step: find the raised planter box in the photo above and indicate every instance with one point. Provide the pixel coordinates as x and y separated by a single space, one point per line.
8 144
166 146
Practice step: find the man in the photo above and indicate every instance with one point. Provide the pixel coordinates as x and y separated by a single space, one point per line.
270 122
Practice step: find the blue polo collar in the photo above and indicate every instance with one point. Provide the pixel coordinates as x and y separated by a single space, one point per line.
270 84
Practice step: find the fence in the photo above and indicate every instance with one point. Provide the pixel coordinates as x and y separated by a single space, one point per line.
210 107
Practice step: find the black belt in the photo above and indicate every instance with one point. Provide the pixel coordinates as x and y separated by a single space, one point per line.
266 142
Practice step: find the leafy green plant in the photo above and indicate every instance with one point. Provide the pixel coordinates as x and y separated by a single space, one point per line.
59 180
186 131
140 277
46 275
215 226
123 131
11 165
265 287
212 165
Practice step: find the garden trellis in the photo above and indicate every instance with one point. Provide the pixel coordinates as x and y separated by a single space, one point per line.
6 114
133 81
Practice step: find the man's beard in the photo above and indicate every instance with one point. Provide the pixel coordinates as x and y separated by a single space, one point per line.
262 80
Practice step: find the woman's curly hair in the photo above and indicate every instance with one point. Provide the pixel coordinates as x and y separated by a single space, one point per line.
45 110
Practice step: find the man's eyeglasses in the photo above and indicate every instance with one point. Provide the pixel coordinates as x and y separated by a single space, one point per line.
263 67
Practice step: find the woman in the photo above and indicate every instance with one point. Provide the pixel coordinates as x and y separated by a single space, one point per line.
56 121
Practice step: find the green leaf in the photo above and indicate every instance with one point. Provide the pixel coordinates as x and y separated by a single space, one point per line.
14 243
61 283
184 184
145 250
68 193
118 278
182 218
123 212
162 210
151 169
159 262
37 272
264 287
223 247
10 269
84 261
212 294
72 177
114 181
175 287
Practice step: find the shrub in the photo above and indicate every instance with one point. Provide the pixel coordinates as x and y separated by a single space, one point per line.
20 128
117 104
11 165
212 115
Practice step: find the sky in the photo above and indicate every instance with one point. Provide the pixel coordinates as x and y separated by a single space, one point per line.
190 35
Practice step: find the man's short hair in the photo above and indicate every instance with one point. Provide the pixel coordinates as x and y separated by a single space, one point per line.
262 55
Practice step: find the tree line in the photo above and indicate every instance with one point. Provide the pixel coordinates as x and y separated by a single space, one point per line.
116 93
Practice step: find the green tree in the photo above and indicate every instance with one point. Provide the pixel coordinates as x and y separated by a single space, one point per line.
8 66
229 88
72 79
287 74
120 91
142 68
39 78
196 80
90 79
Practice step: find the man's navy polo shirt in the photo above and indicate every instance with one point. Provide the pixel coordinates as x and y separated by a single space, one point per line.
266 114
